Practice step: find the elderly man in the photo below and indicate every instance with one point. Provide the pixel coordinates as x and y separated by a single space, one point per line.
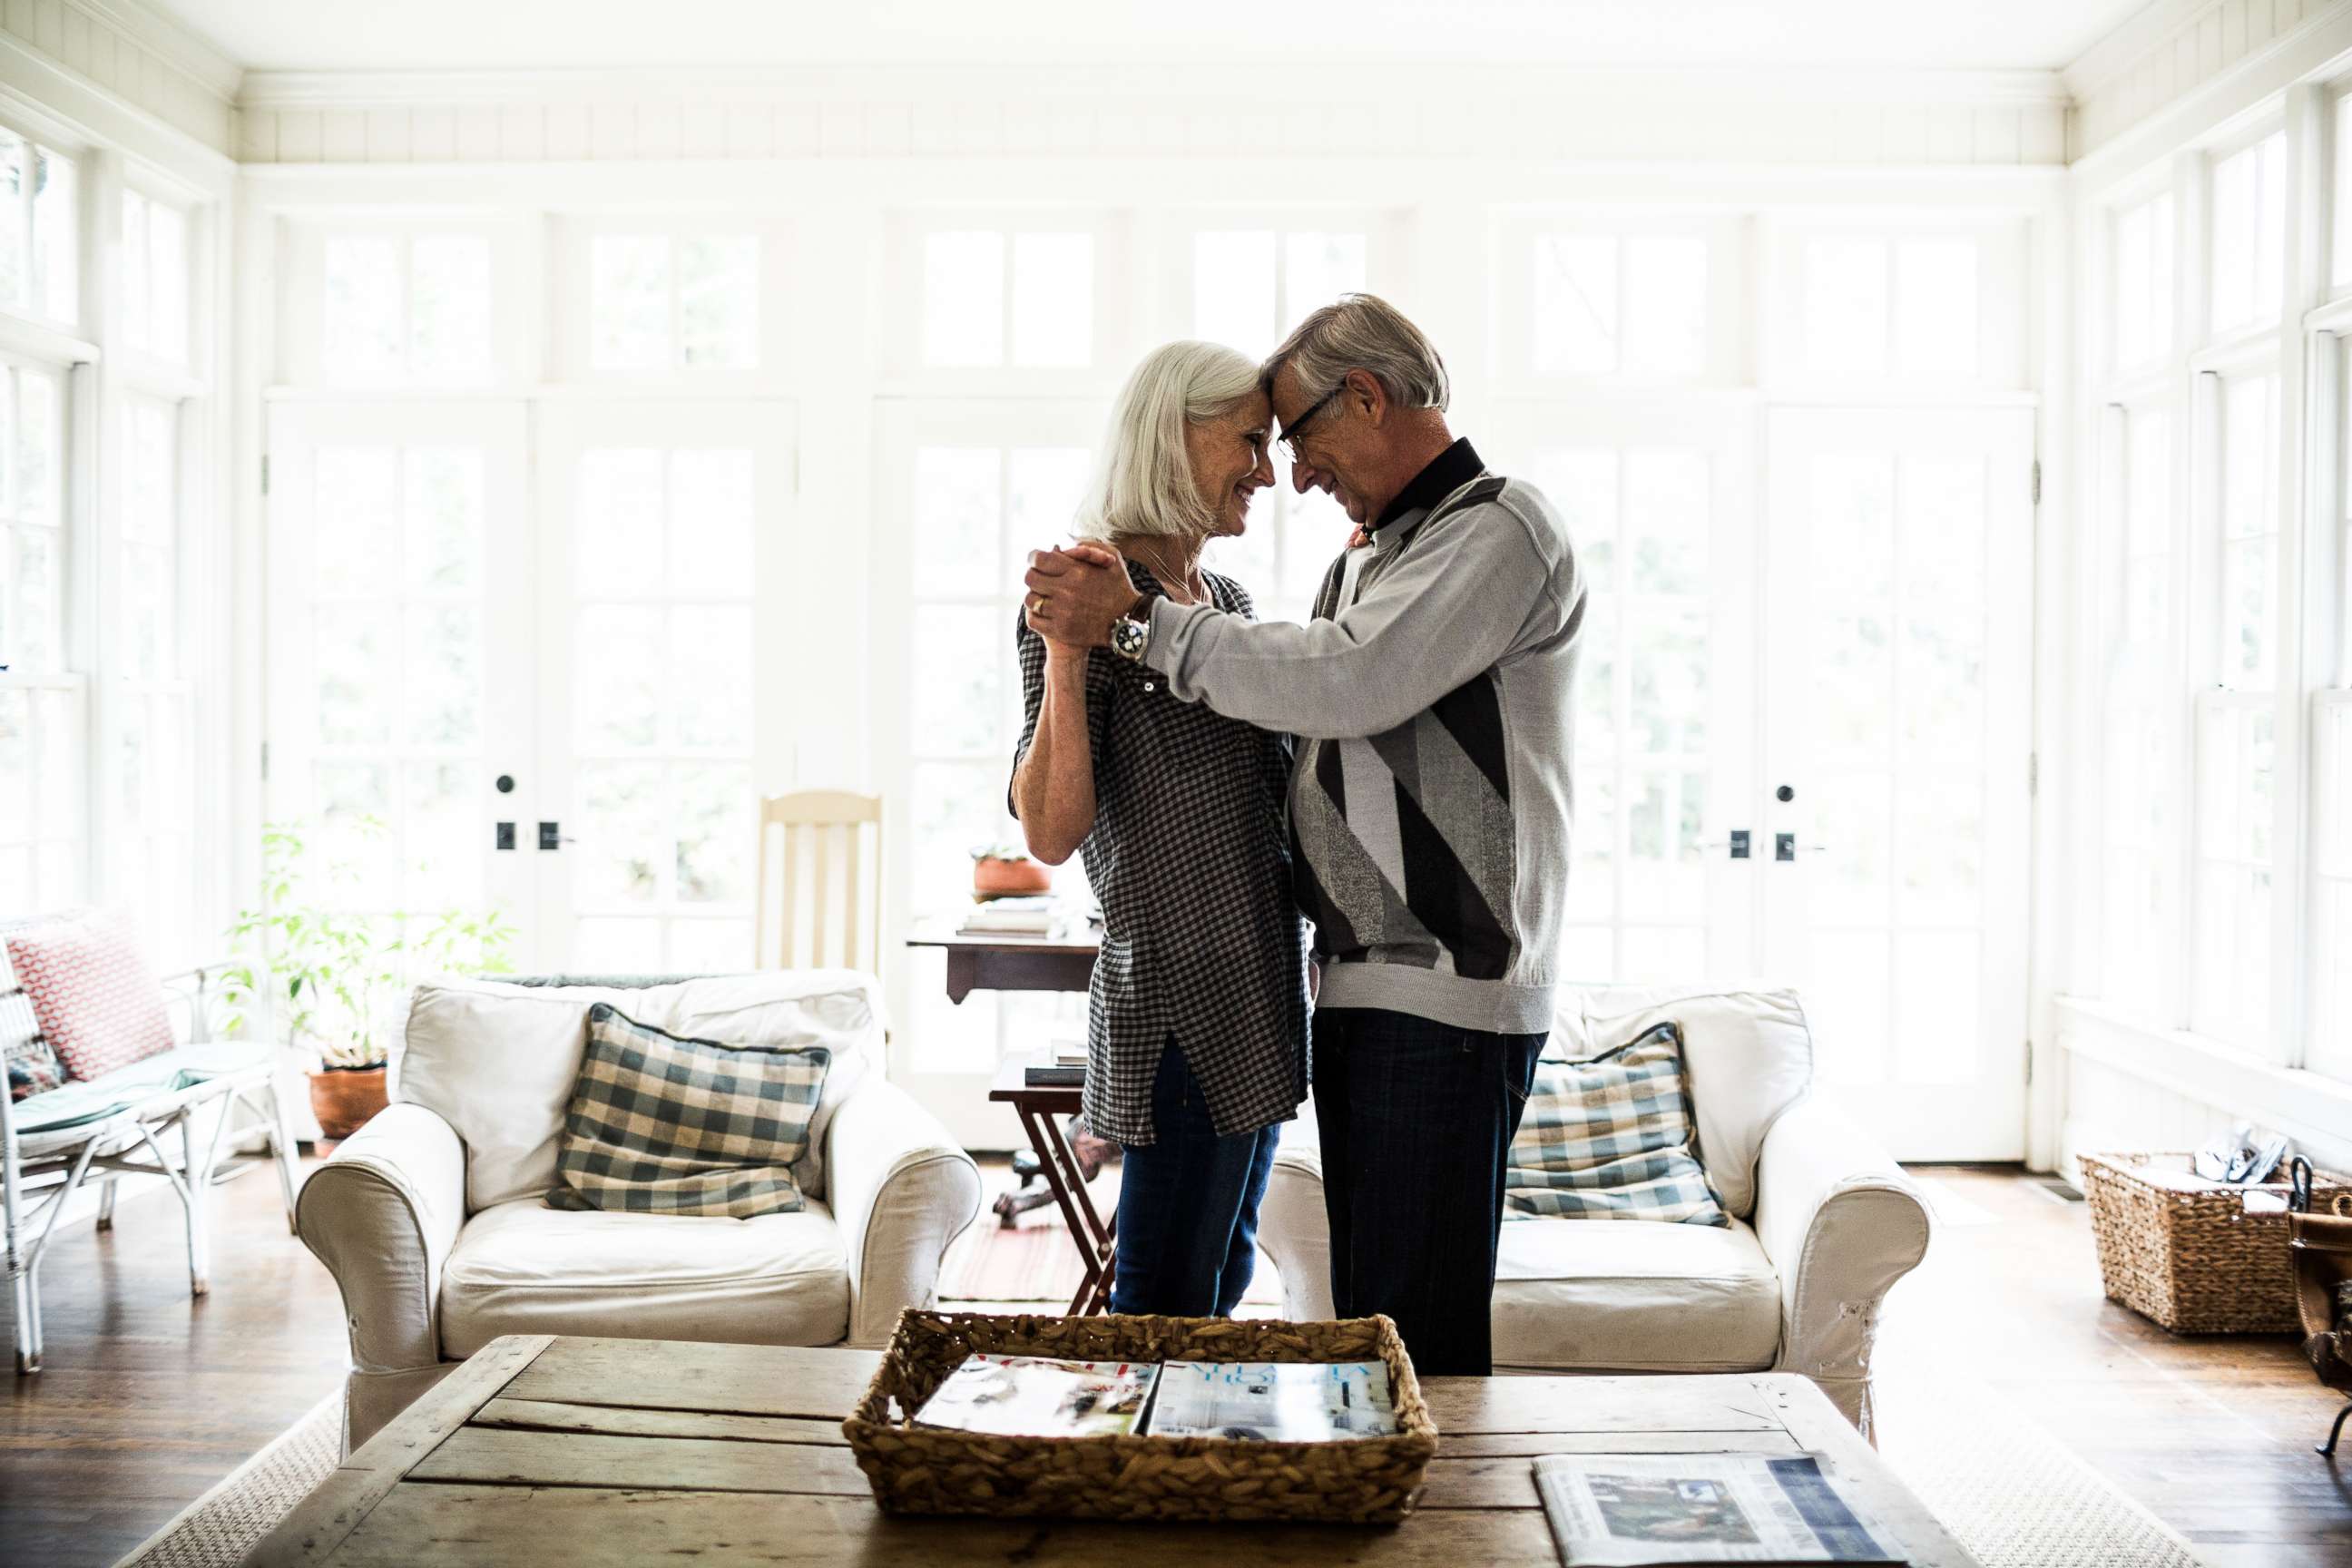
1430 804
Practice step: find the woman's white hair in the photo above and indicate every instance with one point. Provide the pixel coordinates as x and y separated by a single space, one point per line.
1143 483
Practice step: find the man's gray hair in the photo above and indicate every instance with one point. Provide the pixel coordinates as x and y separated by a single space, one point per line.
1363 332
1143 482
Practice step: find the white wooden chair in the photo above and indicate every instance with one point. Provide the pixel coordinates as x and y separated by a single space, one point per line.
813 834
52 1142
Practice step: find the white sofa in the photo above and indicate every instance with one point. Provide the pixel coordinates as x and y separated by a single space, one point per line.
1822 1221
432 1218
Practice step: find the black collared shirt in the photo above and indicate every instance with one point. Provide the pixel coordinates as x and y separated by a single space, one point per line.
1447 472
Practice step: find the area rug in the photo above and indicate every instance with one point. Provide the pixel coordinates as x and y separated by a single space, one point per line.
2017 1498
2012 1494
219 1528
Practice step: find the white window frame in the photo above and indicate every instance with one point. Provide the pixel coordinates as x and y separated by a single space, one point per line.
516 287
571 339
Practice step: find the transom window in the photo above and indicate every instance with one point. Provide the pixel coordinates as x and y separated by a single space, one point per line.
406 308
661 301
154 278
2249 234
39 225
1024 298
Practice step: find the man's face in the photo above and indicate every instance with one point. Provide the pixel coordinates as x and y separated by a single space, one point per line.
1333 441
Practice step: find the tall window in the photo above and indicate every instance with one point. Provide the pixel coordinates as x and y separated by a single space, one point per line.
43 757
151 848
2235 738
2140 701
40 257
2143 287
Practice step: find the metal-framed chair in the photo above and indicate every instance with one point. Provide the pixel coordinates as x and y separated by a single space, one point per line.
52 1143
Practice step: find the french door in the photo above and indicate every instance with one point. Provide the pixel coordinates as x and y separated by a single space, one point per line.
1898 706
487 692
1801 729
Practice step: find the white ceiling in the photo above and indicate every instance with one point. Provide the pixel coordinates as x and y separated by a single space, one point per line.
1225 39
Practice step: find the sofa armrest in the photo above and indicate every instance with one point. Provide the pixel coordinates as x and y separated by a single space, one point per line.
1293 1228
901 1191
382 1215
1842 1223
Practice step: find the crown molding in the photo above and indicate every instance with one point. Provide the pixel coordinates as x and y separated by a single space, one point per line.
265 90
189 53
2122 48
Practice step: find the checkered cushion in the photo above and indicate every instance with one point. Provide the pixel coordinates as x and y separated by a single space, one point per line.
1611 1139
659 1124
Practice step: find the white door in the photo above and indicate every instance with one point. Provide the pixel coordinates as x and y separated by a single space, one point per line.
662 689
1896 724
1659 505
399 655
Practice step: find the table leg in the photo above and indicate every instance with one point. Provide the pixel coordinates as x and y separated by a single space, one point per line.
1092 1236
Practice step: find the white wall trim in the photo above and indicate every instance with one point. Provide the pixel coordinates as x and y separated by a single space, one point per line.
2152 95
139 77
189 53
2314 1110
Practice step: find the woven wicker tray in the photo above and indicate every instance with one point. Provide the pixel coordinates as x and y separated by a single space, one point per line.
922 1470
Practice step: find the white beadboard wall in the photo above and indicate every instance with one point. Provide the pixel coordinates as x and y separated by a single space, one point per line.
2179 50
135 56
1990 119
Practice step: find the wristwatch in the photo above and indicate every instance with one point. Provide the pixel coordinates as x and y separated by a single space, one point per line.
1130 636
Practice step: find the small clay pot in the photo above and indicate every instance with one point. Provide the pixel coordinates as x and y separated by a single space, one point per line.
342 1098
1004 879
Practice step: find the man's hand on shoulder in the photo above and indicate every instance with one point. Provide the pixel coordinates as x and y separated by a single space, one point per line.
1075 594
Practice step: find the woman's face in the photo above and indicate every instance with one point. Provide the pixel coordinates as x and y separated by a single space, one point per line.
1229 463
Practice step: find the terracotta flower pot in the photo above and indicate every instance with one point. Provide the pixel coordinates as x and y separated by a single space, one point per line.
342 1098
1004 879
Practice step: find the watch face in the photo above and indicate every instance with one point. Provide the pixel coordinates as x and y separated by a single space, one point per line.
1128 639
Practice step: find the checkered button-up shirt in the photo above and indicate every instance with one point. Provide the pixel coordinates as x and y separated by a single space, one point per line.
1202 942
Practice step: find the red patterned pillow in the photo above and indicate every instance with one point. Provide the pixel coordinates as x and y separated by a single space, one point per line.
93 996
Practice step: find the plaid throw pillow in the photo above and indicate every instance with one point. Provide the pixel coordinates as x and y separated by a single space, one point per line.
1611 1139
659 1124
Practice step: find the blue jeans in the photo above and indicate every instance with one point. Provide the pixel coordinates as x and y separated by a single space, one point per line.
1188 1206
1417 1118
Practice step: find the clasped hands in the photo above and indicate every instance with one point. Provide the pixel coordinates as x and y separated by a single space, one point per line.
1075 594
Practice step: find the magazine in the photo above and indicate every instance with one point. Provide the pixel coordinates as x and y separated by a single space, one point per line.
1275 1401
1039 1397
1621 1510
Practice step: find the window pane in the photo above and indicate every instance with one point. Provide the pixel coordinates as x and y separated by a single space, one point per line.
361 334
623 841
711 676
958 516
1845 307
441 675
355 546
1045 486
1234 289
1576 304
441 495
1936 283
961 665
1052 299
449 309
629 301
616 684
717 835
56 232
1665 305
617 522
15 269
2248 229
963 298
167 237
710 523
138 284
1316 270
39 468
2248 528
719 300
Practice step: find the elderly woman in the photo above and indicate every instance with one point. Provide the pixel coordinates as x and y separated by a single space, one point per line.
1198 1020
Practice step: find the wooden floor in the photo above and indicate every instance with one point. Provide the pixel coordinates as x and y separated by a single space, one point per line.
150 1397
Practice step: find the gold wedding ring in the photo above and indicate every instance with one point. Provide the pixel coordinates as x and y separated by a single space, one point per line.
1036 601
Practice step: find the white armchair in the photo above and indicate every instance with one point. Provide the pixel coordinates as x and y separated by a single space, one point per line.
433 1219
1823 1223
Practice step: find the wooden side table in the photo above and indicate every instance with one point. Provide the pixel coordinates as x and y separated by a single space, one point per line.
1040 1109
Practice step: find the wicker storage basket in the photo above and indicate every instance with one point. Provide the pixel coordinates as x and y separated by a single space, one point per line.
923 1469
2183 1252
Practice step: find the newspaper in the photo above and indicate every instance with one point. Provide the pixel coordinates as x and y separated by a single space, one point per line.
1040 1396
1273 1401
1621 1510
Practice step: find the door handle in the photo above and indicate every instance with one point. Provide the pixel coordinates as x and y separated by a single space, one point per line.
552 837
1737 844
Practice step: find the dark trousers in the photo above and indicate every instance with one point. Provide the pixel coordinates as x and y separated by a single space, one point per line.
1417 1121
1188 1206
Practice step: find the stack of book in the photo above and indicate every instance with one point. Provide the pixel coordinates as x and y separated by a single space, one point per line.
1064 1068
1283 1402
1031 915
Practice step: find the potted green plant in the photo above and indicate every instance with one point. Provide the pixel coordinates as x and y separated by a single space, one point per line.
1003 871
323 970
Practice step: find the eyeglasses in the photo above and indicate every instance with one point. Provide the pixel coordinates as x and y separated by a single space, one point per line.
1291 435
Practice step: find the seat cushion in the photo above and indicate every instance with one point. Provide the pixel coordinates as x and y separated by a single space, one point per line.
659 1124
98 1005
521 1268
1574 1295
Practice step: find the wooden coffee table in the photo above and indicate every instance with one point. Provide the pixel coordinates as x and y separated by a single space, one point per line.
590 1452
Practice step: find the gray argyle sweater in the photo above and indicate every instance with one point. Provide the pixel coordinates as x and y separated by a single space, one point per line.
1433 693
